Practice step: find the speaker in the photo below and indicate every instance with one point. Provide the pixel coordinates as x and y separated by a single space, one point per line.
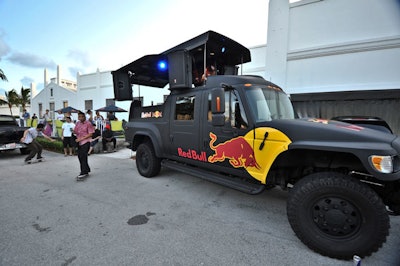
122 86
180 70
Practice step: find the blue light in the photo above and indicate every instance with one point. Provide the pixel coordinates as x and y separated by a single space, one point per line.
162 65
223 50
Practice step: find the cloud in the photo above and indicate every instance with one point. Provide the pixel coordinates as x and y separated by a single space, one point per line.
4 48
31 60
74 70
80 57
26 81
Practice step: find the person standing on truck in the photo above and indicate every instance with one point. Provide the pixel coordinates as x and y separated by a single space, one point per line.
83 131
35 148
209 71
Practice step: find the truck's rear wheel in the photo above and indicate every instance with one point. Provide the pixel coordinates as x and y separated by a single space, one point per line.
337 216
147 162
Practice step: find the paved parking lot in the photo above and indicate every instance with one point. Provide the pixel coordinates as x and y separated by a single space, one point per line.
117 217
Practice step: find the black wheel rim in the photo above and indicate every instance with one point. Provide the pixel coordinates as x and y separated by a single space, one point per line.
144 161
336 217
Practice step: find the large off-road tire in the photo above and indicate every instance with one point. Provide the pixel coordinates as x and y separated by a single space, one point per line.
337 216
147 163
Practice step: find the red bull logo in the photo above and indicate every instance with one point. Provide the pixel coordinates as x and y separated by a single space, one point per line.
237 150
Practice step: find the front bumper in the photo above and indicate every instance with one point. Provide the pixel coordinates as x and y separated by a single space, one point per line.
12 146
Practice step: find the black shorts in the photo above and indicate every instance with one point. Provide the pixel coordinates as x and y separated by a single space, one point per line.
68 141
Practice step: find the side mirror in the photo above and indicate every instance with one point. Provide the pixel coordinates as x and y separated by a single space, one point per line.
122 86
218 101
218 106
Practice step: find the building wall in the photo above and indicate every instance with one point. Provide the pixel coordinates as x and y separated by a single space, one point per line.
95 86
257 64
334 45
52 93
4 110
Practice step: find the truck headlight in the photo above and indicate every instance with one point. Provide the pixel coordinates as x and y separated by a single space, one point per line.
383 164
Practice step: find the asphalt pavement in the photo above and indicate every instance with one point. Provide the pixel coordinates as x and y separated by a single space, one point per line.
117 217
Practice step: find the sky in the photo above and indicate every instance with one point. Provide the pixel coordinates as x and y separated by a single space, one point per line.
85 35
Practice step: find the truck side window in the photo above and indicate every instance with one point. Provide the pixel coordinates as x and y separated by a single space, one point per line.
184 108
234 112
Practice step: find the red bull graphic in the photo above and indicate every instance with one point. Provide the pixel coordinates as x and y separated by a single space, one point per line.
237 150
192 154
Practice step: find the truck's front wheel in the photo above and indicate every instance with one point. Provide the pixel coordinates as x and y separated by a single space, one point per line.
337 216
147 163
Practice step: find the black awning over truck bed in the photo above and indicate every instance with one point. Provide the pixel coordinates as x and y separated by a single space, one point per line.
212 46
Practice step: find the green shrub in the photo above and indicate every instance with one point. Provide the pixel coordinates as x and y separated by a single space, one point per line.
56 146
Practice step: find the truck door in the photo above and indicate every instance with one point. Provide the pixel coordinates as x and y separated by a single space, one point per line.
226 148
184 131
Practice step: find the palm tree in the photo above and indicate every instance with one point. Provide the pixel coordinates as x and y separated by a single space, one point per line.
24 97
2 75
12 98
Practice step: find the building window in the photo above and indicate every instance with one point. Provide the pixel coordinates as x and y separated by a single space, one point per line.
65 104
88 104
51 92
40 110
110 102
51 107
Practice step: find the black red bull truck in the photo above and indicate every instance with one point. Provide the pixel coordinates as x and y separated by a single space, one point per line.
240 131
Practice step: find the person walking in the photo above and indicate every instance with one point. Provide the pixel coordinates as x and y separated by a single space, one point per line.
66 136
35 148
83 131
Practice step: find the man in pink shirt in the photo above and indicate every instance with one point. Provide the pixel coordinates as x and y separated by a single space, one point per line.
83 131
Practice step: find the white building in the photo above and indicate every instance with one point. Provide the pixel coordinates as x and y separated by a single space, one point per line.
334 57
56 94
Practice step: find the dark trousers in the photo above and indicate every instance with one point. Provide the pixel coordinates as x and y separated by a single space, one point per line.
104 141
35 148
83 157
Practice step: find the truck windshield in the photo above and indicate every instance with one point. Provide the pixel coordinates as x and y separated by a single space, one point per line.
268 104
